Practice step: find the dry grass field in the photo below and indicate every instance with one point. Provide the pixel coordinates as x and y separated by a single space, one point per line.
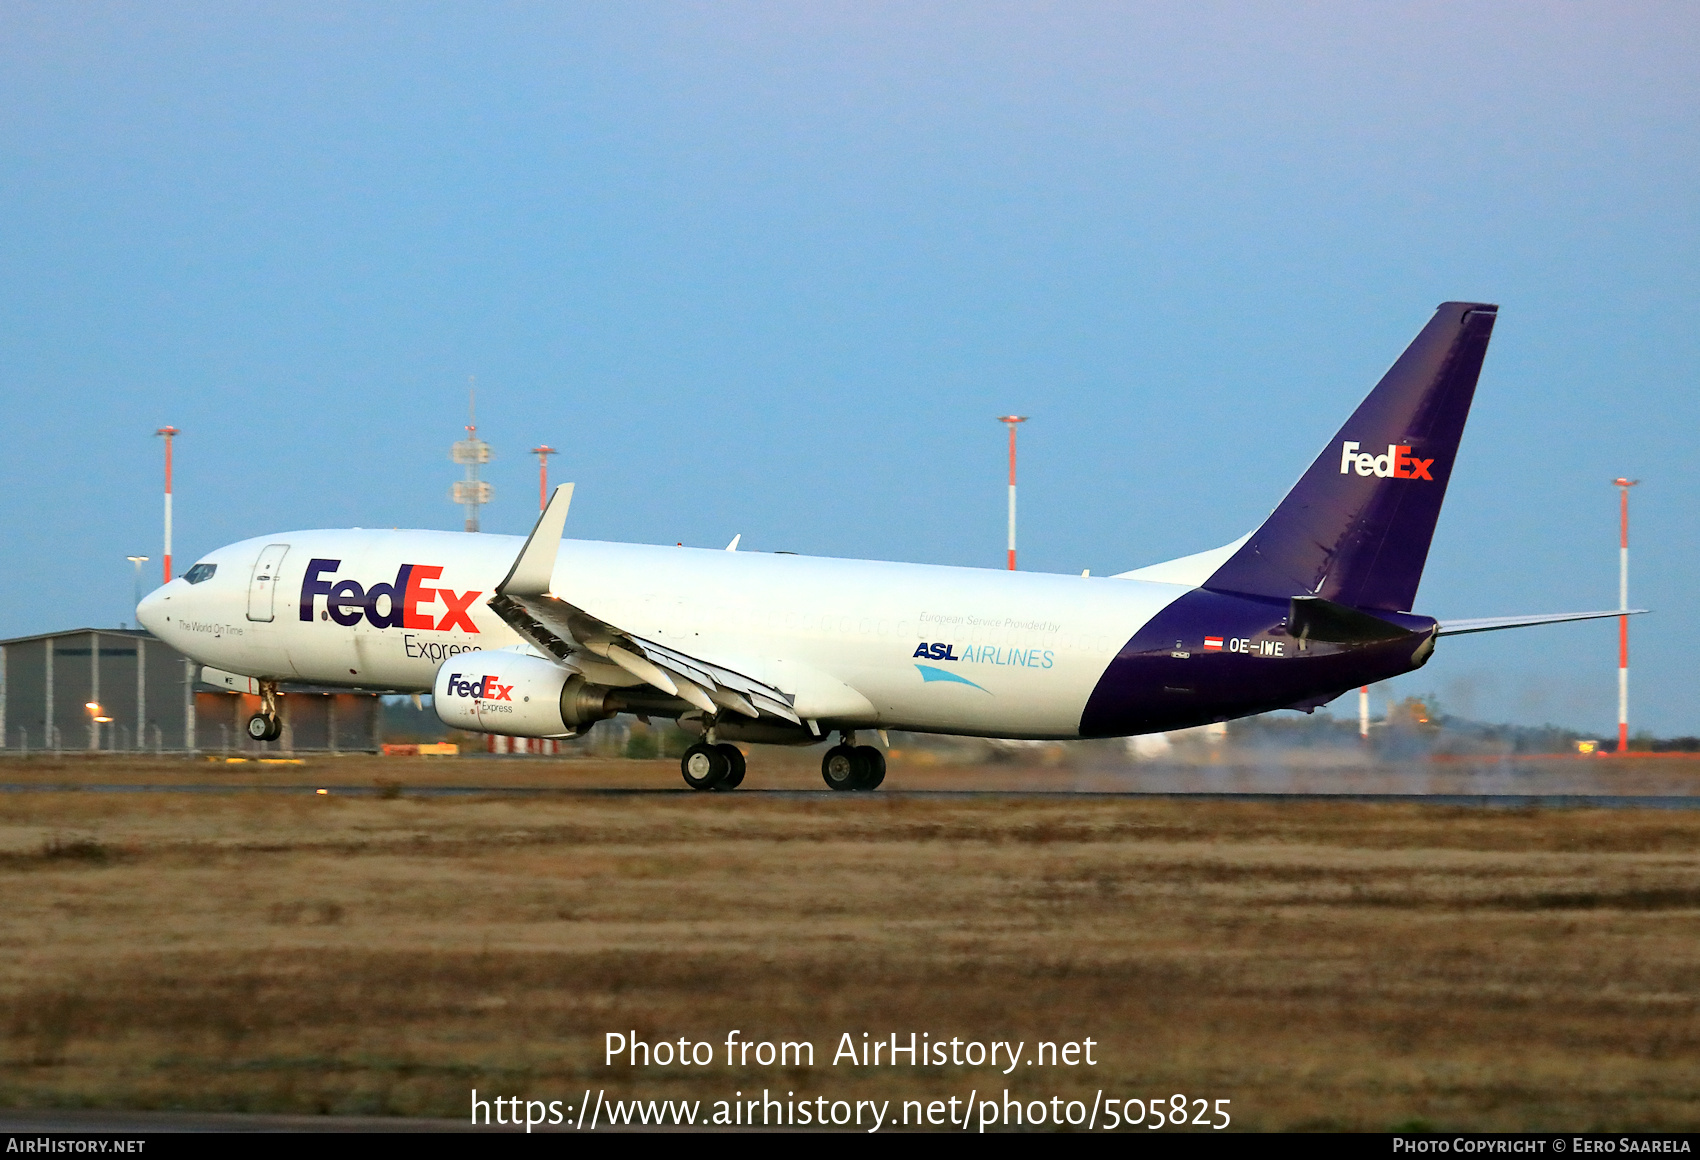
1322 964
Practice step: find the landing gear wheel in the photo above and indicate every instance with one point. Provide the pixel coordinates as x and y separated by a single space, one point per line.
267 724
735 760
705 767
874 767
844 767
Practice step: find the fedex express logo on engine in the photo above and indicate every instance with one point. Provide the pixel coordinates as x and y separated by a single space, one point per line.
1398 463
485 688
404 602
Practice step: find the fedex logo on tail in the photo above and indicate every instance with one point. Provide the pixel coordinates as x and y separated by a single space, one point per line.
485 688
1398 463
346 601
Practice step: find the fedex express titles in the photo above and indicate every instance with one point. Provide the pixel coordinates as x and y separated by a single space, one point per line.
346 601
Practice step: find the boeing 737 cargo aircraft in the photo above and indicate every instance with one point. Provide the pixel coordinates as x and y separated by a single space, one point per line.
544 637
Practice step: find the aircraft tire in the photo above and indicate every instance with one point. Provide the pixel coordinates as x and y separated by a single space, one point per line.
842 767
704 767
264 728
873 767
735 759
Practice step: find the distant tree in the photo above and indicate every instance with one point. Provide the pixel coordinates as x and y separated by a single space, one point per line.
1413 714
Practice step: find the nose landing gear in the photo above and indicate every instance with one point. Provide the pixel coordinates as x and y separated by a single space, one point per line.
267 724
850 767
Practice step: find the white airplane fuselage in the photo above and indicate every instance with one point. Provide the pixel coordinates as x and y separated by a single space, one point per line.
858 643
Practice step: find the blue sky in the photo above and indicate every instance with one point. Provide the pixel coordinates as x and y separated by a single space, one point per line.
772 269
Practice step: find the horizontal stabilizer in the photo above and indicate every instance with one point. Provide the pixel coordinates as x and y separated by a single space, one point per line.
1313 618
1493 623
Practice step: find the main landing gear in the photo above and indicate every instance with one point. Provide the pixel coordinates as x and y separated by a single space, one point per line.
267 724
849 766
713 767
846 766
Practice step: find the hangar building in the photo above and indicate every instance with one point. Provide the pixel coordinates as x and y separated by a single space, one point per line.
124 690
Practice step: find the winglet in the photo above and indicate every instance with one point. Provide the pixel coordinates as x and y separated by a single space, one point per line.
535 566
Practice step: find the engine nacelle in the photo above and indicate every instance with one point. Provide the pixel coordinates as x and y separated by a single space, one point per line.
516 695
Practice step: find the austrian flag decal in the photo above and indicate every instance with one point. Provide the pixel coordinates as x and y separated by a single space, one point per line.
1212 644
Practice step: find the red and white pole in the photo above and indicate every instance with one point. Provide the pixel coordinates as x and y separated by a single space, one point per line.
1623 486
543 453
1011 421
169 433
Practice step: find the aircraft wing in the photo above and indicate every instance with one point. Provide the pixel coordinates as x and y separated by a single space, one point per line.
560 629
1492 623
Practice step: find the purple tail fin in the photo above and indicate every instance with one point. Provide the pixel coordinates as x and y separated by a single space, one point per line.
1357 527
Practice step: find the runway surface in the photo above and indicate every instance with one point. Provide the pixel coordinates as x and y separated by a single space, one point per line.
1555 801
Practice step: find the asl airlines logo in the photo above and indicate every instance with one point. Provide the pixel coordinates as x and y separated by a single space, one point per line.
485 688
1398 463
404 601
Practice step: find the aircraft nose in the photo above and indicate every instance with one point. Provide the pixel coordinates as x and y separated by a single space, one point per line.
150 613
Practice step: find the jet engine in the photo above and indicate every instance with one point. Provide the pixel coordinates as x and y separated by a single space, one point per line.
517 695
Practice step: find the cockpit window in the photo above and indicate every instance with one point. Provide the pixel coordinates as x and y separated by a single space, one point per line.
200 572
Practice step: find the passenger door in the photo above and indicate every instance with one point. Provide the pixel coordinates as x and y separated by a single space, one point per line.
262 587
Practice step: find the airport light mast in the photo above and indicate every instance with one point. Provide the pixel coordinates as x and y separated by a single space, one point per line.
1011 421
170 433
138 561
1623 486
543 453
471 492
